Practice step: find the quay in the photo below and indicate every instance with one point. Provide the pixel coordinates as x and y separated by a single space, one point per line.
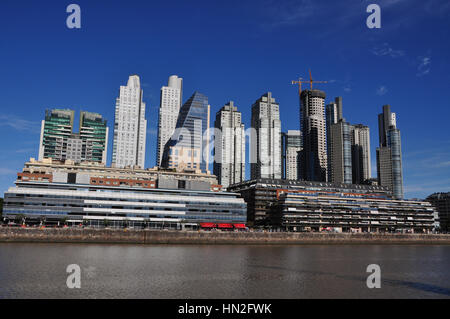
150 237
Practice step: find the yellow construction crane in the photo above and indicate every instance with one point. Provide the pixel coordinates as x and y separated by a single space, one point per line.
300 81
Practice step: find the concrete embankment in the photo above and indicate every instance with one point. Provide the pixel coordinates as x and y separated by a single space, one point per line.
77 235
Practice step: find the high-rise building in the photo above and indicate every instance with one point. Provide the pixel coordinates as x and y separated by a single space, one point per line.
130 126
333 114
340 153
389 153
55 130
266 163
229 146
59 142
170 103
314 160
187 149
94 131
291 142
361 165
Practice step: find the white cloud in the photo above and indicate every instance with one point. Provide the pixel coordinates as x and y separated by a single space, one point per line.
424 65
386 50
19 124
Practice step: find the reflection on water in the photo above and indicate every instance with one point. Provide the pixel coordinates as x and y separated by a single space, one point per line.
216 271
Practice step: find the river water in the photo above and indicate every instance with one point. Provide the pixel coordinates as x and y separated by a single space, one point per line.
222 271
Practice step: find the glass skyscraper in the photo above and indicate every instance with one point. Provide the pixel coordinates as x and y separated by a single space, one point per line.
187 149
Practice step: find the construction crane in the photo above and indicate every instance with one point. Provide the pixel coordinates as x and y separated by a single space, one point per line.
300 81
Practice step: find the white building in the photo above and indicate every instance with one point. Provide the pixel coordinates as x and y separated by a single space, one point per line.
229 146
130 126
266 122
171 96
291 148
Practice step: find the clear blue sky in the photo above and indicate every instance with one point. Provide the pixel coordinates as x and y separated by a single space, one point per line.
232 50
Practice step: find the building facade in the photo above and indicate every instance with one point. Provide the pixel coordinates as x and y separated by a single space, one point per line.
59 142
188 147
441 202
389 153
122 205
339 211
314 161
170 103
291 144
265 161
261 193
361 163
229 146
130 126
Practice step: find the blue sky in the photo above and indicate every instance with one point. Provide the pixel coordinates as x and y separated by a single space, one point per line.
232 50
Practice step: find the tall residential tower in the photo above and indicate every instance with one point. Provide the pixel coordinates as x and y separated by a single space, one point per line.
229 146
389 153
291 145
314 160
130 126
266 163
169 109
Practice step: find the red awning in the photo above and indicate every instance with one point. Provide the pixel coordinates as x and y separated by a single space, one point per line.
225 226
207 225
239 226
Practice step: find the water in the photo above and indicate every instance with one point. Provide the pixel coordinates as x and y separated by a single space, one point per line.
216 271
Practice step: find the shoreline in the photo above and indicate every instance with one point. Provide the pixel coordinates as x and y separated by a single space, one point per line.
169 237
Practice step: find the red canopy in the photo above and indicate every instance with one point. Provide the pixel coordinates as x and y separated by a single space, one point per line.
225 226
239 225
207 225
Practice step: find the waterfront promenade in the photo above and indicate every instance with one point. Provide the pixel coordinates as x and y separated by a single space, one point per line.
134 236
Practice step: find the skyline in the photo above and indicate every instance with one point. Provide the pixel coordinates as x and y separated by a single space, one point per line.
386 68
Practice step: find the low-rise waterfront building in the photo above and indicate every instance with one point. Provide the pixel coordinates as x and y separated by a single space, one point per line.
305 210
260 193
57 203
441 201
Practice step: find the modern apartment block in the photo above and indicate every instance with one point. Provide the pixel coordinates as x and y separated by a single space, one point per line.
389 153
441 202
265 162
130 126
291 144
187 148
170 103
260 194
340 211
59 142
340 152
361 163
229 146
314 161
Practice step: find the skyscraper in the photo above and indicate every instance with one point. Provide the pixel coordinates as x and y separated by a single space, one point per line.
130 126
361 165
187 148
333 114
340 153
266 163
229 146
312 122
291 142
56 128
59 142
170 103
389 153
93 130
